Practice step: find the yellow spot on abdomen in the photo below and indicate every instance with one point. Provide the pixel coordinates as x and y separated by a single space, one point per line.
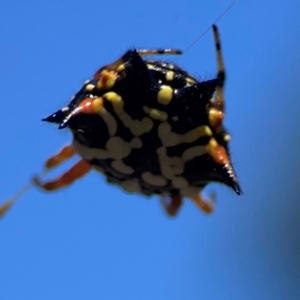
89 87
107 80
215 117
150 66
189 80
121 68
97 105
227 138
170 75
165 94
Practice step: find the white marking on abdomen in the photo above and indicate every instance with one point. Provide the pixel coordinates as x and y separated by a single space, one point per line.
154 180
121 167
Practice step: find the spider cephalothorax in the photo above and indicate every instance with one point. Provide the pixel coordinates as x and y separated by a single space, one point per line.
150 127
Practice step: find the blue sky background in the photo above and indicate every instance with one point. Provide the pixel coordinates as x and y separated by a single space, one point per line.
93 241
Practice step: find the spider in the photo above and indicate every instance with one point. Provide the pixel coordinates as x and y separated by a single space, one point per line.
149 127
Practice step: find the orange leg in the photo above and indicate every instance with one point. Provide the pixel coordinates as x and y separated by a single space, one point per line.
64 154
206 206
172 206
77 171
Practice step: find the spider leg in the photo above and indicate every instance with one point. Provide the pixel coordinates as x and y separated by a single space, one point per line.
221 76
146 52
4 208
111 67
171 205
207 206
64 154
77 171
118 65
216 106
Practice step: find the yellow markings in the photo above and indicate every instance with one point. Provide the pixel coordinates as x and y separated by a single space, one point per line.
110 121
169 166
171 67
179 183
210 147
156 114
90 106
196 133
212 144
227 138
121 68
190 80
107 80
90 153
170 75
142 127
89 87
116 148
193 152
154 180
169 138
137 127
110 81
97 105
111 67
113 97
131 185
121 167
215 117
165 94
116 101
150 66
136 143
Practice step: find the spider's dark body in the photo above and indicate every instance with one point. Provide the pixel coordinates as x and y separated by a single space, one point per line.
152 128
